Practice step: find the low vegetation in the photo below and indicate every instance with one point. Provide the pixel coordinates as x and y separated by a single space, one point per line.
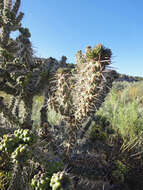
124 110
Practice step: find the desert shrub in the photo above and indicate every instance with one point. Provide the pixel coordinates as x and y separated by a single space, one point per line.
124 109
119 86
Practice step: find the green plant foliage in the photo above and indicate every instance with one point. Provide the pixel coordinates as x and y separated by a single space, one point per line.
121 171
97 133
123 108
122 167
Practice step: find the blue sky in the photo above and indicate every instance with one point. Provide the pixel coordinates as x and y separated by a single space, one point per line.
62 27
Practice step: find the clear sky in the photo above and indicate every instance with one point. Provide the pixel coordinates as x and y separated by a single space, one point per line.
62 27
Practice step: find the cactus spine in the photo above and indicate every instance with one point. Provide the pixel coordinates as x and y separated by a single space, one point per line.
10 20
80 93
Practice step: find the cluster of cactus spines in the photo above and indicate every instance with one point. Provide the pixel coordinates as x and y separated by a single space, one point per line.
12 103
63 94
62 102
77 94
80 93
7 113
12 112
89 79
10 20
17 81
25 51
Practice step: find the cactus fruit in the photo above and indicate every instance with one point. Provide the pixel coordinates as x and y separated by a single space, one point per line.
18 145
60 181
40 181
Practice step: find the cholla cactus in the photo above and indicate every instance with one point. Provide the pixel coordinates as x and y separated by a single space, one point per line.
10 20
89 77
76 93
12 103
63 96
80 93
25 51
7 113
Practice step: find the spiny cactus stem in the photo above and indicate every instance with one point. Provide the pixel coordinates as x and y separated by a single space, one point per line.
12 103
7 113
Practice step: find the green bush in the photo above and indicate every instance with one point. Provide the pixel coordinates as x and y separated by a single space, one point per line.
124 110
